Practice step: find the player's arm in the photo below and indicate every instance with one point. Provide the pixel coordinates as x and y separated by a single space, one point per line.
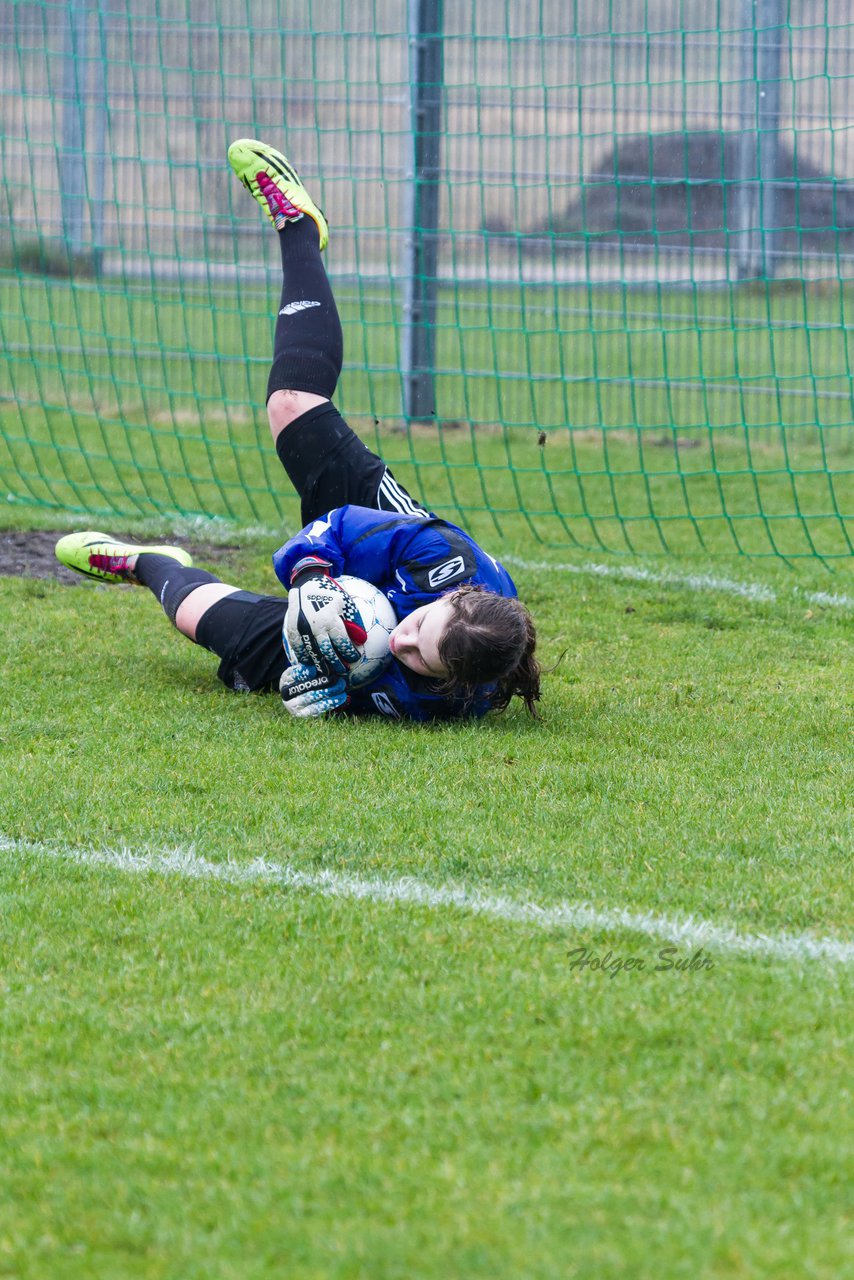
318 539
357 540
322 624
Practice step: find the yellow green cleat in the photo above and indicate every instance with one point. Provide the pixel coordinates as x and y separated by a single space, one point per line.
102 557
272 180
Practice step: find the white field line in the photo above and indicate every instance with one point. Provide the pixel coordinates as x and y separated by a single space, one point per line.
688 931
828 599
687 581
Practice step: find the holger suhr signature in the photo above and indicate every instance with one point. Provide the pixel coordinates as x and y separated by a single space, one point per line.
668 960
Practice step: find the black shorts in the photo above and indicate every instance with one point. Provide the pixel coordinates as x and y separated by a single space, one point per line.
329 466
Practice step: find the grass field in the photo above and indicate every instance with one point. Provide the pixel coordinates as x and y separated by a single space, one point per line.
364 1058
557 999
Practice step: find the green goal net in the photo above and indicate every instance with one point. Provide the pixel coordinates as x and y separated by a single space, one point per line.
594 261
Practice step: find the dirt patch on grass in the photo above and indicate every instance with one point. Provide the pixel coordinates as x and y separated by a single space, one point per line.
30 554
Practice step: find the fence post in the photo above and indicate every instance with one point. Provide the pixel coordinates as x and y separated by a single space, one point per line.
770 67
72 161
757 188
422 221
99 147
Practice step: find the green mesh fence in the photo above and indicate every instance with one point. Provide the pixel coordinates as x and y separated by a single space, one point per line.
593 259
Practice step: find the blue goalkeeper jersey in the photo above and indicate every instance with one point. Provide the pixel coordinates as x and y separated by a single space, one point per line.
413 560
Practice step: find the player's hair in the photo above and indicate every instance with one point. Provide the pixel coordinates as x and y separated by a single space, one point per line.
489 639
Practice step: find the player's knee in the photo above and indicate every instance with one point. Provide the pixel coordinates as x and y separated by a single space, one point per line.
284 407
199 598
176 590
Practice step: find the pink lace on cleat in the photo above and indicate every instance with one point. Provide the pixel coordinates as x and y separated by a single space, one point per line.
280 207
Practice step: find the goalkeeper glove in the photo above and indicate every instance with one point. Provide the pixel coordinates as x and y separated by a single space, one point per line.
308 692
322 624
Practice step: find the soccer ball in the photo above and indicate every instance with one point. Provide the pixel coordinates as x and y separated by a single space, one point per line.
379 620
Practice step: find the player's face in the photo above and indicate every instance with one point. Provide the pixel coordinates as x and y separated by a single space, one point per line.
415 641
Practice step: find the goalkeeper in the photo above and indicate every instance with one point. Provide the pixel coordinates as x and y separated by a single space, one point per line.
464 644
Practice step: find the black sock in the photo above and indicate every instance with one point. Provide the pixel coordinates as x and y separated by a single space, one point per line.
308 347
170 580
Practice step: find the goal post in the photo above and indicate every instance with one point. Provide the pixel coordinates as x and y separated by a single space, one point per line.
420 267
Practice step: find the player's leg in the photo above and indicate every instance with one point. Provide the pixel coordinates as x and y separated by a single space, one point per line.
326 462
308 343
184 592
243 629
